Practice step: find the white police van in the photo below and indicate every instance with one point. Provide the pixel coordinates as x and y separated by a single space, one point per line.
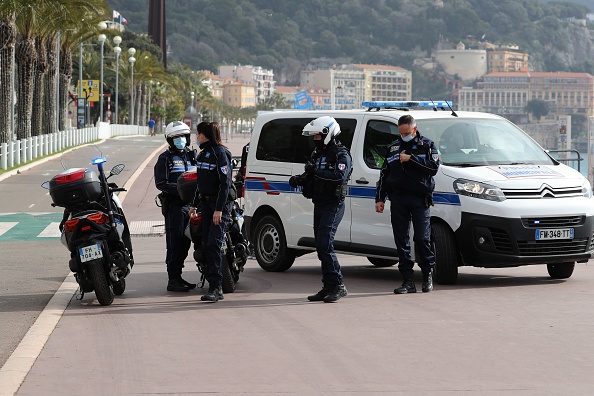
500 199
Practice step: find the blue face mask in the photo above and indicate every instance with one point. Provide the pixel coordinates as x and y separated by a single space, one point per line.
179 142
407 138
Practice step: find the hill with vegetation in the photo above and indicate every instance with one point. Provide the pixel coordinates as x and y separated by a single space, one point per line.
288 35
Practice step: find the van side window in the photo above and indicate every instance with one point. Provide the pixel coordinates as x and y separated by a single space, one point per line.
378 136
281 139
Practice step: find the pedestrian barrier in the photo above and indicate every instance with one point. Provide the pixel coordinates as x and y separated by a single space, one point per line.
14 153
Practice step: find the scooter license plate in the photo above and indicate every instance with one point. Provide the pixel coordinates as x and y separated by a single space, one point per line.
90 252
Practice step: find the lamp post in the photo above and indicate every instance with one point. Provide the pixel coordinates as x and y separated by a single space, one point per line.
117 40
149 99
131 59
102 38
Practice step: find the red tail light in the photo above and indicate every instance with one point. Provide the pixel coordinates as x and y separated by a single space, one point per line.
197 219
190 176
99 218
70 225
70 176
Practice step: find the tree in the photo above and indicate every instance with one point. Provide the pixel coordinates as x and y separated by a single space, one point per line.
538 108
7 41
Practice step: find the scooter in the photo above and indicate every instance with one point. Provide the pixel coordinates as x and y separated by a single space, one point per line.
235 249
94 229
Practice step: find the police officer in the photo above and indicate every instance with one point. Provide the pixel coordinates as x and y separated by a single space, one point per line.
177 159
325 181
214 198
407 179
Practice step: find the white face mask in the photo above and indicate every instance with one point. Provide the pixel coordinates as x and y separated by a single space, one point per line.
179 142
407 138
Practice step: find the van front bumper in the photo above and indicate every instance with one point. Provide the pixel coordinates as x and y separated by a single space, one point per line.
494 242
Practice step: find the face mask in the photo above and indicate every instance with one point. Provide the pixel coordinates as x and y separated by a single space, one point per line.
179 142
407 138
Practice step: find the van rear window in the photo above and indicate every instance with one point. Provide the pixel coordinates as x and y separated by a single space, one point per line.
281 139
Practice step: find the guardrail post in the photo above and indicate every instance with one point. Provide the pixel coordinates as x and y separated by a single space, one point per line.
3 155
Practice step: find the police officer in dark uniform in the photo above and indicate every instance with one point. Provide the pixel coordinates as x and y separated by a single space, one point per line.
325 181
407 179
213 196
174 161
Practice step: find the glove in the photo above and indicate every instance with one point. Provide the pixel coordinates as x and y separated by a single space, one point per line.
310 168
294 181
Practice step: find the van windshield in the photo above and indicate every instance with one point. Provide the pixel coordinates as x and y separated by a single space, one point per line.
476 142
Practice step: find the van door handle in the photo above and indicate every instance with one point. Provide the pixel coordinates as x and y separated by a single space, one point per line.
361 181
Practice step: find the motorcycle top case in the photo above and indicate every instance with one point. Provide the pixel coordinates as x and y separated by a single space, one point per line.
186 186
75 186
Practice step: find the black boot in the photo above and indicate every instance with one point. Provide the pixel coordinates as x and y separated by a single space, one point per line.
214 294
408 286
188 284
319 296
335 293
177 285
427 282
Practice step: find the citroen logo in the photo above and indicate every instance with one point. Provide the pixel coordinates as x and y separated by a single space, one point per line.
546 191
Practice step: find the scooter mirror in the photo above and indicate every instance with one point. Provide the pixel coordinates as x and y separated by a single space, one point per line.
45 185
116 170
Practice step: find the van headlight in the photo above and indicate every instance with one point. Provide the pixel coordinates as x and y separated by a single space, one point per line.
587 189
478 190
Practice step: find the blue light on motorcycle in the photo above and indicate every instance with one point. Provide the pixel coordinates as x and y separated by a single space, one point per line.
98 160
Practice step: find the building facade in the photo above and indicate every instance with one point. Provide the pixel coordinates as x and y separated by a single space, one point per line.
350 85
508 93
239 94
262 79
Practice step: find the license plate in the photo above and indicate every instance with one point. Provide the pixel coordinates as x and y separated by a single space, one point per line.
91 252
554 233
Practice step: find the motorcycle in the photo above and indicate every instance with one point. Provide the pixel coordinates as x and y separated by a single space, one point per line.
94 228
235 249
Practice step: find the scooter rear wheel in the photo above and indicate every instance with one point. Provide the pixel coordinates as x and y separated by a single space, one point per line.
228 281
103 290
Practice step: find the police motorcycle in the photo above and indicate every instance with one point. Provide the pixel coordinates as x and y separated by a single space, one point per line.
94 227
235 248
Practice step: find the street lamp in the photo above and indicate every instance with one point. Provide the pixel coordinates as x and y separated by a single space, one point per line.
192 94
117 40
149 99
102 38
131 59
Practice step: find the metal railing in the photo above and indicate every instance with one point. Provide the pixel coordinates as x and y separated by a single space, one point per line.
569 161
15 153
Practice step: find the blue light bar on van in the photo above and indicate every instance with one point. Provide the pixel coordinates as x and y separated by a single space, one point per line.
98 160
414 103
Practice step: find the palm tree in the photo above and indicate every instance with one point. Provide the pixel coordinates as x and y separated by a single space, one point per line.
147 68
7 41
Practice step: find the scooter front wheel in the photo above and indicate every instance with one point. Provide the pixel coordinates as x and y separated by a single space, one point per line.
228 280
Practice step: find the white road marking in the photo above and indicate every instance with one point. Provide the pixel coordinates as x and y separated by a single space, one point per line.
51 231
5 226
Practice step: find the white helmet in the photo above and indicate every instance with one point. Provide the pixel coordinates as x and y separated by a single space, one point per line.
325 125
175 129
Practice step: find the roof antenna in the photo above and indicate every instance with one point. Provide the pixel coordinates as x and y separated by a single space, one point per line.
448 103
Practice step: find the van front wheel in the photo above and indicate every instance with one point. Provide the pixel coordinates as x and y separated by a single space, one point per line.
446 255
560 270
270 245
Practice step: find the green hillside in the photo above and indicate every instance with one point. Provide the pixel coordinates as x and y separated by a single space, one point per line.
285 35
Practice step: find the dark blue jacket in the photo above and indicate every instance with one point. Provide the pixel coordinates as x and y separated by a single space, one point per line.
333 168
170 165
414 176
215 170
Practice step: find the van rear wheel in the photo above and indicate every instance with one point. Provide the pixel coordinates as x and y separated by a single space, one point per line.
446 255
560 270
270 245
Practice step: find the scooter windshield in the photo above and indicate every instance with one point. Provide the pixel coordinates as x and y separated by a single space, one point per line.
82 157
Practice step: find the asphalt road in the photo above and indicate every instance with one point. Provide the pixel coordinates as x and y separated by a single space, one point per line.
498 331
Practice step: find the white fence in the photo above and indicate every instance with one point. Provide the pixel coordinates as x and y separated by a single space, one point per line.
14 153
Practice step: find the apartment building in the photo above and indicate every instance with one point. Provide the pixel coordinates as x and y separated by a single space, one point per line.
350 85
508 93
505 59
238 93
261 79
214 84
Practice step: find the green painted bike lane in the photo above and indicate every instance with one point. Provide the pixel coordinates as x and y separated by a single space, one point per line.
29 226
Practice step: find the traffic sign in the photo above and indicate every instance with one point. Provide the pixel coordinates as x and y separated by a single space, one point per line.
90 90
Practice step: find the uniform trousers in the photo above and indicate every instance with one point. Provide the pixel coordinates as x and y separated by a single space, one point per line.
178 244
327 217
405 207
213 237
